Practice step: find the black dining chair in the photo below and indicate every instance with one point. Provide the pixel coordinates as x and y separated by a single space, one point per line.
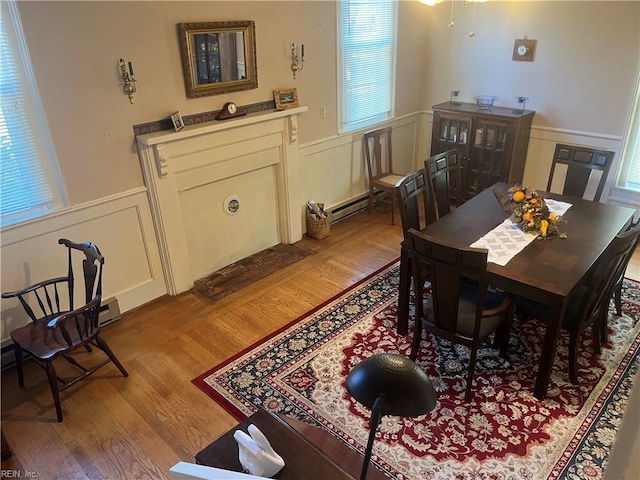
445 183
579 171
457 310
588 305
617 289
412 196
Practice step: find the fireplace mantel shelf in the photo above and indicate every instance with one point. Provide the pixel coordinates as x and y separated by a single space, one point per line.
189 131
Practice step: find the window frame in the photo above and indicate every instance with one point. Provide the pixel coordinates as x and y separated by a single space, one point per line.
36 123
631 145
345 126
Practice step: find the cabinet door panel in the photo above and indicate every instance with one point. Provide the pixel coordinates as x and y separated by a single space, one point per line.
488 156
493 144
453 132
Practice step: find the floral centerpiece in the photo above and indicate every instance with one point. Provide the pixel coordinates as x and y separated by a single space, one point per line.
529 211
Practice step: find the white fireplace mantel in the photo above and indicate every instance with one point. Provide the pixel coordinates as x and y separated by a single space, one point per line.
198 156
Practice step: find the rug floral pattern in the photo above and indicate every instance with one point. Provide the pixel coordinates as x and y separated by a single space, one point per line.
503 433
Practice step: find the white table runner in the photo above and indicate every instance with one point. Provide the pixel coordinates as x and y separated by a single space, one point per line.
507 240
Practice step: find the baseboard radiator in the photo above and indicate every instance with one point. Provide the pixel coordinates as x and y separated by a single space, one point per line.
354 206
109 313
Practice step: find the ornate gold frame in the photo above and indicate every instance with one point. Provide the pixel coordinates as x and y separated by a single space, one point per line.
186 31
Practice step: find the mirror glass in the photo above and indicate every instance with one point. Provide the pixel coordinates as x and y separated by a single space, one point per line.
218 57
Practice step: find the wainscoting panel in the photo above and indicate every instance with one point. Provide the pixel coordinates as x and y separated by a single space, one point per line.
120 226
333 169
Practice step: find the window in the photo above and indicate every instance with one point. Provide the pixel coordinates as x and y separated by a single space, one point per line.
629 176
29 185
367 44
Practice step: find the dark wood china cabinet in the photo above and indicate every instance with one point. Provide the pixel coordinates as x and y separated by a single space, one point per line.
493 142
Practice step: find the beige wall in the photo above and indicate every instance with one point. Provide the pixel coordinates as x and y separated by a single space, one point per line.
75 47
582 79
585 67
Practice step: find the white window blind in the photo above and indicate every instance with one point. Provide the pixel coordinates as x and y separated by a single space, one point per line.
367 40
630 171
633 176
28 180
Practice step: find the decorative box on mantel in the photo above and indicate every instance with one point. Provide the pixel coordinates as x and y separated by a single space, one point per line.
191 175
493 142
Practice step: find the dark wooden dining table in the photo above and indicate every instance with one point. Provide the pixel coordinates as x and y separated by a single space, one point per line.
546 270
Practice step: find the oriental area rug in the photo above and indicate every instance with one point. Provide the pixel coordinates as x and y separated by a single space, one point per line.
504 432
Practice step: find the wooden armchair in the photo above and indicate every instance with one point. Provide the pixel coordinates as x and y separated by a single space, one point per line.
47 299
56 327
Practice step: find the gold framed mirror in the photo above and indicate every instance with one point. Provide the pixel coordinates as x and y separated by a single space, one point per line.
218 57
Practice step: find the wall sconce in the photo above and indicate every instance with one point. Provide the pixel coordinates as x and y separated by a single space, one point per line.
128 81
297 63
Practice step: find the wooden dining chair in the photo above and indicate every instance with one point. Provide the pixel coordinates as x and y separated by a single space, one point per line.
50 305
457 310
412 196
579 171
445 185
377 145
588 305
617 288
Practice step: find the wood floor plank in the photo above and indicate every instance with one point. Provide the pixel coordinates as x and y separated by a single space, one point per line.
147 422
137 427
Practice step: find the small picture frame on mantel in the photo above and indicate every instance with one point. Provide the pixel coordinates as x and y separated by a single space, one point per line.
285 98
176 119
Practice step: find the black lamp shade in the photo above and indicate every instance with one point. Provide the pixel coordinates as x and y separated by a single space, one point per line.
406 389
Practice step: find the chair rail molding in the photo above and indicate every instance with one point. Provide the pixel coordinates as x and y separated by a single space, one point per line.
203 160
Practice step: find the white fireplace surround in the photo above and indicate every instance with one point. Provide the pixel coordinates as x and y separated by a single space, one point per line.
177 164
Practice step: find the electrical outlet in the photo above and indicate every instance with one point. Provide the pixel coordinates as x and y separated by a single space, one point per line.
323 112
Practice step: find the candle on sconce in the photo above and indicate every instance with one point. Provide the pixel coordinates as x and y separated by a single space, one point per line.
302 50
130 69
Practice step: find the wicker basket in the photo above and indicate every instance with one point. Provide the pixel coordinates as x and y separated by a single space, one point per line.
318 228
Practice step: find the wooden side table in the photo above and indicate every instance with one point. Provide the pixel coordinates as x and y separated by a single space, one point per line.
309 452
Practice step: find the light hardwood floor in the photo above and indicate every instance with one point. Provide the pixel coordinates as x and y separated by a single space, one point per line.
138 427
